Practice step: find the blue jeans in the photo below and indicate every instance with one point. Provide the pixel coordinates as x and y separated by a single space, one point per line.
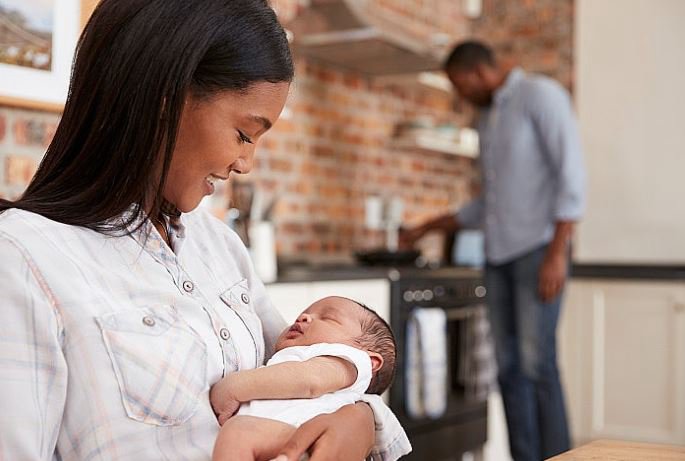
524 329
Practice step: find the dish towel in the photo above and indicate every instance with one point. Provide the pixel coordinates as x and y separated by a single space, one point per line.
477 370
426 363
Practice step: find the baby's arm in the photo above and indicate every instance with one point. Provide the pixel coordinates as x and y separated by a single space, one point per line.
286 380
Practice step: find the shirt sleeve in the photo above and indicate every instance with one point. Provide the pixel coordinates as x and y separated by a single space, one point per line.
470 216
557 128
391 441
33 382
357 357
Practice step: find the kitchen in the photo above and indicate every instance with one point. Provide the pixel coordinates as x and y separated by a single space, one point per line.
353 136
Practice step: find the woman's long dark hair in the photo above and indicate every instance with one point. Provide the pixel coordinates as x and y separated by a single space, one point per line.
136 62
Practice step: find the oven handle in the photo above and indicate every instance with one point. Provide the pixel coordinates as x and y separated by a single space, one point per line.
463 312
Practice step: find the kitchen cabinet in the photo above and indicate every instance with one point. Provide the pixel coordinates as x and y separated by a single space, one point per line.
630 119
622 357
292 298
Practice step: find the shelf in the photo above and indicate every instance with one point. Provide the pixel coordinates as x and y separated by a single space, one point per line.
435 81
431 144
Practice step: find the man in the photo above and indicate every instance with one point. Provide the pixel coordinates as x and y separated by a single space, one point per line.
533 183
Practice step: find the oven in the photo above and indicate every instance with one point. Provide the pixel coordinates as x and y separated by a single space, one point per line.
463 425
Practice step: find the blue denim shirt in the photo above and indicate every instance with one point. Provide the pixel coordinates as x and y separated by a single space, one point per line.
532 167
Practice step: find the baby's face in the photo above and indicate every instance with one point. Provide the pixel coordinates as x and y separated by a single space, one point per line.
329 320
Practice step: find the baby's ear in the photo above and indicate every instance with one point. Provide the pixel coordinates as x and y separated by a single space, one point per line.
376 361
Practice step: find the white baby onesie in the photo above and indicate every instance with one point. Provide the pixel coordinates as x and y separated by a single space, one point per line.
299 411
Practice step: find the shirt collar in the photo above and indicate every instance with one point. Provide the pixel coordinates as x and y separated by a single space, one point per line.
513 78
144 232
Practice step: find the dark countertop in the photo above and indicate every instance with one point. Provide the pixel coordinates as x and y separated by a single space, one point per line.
303 274
321 273
628 272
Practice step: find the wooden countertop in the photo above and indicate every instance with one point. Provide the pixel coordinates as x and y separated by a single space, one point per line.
614 450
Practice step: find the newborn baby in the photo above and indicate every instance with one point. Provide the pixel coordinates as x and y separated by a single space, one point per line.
336 350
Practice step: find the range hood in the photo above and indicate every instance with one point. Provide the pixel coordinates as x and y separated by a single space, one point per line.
357 36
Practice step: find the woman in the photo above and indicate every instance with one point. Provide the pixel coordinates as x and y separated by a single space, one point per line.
121 303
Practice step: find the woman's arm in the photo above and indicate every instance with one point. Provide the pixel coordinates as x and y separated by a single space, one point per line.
346 435
33 382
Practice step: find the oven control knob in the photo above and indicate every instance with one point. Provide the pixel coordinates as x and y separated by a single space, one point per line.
439 291
408 296
427 295
480 291
418 295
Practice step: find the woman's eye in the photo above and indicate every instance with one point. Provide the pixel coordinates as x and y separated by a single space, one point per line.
243 138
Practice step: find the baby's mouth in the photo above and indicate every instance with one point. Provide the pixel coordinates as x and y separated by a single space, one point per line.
294 330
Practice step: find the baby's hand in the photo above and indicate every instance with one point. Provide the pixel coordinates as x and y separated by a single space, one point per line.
223 402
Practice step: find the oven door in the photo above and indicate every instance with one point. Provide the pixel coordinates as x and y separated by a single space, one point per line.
470 372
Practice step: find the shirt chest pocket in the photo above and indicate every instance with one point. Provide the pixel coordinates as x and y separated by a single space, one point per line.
237 297
159 361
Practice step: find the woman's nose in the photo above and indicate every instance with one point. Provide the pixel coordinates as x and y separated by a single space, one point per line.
245 162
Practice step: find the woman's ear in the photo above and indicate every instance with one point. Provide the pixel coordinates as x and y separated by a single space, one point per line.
376 361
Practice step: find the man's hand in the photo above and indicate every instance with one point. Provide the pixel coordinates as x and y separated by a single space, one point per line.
552 274
347 434
408 237
223 402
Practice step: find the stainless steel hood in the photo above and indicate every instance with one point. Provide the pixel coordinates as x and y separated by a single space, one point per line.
356 35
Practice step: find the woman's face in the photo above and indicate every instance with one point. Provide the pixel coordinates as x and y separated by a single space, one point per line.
217 136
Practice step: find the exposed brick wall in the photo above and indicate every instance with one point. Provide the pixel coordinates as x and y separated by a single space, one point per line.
536 34
24 136
333 151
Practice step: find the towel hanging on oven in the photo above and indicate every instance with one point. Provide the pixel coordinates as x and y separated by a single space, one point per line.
426 363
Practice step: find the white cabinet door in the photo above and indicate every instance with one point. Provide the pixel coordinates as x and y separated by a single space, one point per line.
623 360
373 293
289 298
292 298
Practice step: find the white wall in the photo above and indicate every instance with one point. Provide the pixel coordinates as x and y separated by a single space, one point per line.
630 95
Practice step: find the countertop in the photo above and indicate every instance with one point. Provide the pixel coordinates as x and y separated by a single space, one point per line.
626 271
327 272
320 273
614 450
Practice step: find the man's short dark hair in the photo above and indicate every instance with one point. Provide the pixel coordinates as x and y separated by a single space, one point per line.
467 55
377 336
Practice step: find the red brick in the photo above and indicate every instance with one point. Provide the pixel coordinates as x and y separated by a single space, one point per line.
31 132
3 124
19 169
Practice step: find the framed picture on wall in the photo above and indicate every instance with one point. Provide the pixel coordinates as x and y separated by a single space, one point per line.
37 43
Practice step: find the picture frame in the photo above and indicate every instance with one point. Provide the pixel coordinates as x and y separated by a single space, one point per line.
26 81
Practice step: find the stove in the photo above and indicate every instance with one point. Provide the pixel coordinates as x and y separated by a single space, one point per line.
463 426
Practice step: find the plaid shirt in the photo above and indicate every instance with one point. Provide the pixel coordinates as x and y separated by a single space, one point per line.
109 345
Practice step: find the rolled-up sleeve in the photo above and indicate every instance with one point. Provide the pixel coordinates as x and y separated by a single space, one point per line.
33 381
557 128
470 216
391 441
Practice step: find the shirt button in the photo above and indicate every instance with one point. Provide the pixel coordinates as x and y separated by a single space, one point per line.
149 321
245 298
188 286
224 333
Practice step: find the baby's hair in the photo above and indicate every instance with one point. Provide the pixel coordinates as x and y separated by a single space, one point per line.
377 336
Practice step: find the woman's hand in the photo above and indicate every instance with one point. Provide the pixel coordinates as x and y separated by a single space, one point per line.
346 435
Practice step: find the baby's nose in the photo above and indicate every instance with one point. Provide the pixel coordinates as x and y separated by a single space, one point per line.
304 317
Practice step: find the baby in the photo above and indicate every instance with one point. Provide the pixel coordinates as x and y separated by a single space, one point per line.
336 350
